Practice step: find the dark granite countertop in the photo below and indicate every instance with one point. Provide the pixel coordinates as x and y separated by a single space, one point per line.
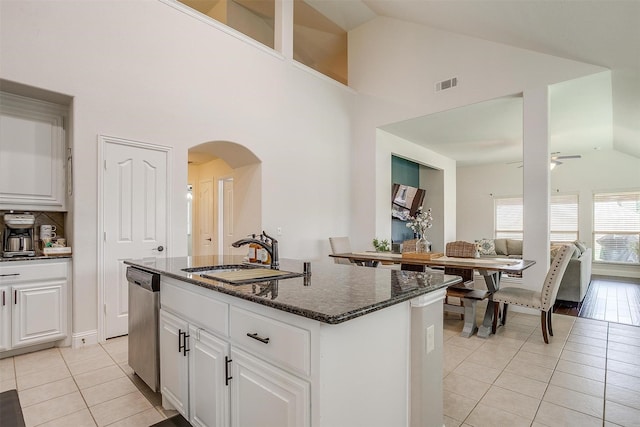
334 293
34 258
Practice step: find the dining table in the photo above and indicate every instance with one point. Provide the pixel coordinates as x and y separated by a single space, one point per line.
491 269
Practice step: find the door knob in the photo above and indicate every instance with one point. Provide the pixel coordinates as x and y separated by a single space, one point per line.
209 239
159 248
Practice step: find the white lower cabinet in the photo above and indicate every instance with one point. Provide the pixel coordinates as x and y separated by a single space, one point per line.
214 381
193 371
230 362
5 318
34 303
174 365
263 395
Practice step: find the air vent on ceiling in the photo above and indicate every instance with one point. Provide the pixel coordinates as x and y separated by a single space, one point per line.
447 84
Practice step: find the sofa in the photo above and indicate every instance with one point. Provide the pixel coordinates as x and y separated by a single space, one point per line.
576 279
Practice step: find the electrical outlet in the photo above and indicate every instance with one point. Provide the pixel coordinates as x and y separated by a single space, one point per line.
431 338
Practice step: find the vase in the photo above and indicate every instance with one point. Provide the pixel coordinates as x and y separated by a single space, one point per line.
422 245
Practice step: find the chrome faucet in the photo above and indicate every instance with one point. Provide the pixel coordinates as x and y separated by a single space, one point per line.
267 242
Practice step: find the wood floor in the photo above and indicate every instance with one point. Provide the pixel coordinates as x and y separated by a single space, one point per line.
612 299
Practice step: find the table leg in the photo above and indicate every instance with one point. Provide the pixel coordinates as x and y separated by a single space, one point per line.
470 325
492 279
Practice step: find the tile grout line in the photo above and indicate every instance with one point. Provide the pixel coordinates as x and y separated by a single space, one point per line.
493 383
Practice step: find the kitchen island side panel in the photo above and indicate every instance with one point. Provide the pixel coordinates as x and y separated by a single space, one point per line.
364 370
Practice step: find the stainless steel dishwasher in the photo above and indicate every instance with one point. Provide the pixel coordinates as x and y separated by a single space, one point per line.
144 305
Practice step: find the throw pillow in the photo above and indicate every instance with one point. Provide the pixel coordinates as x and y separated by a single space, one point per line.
514 247
501 246
486 246
581 246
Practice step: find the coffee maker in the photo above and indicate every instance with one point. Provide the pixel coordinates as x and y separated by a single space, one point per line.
18 235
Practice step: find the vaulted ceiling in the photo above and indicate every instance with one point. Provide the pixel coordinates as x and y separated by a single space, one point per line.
599 32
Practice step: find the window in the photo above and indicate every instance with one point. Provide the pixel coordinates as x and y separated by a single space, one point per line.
563 226
616 227
252 18
318 42
509 218
563 220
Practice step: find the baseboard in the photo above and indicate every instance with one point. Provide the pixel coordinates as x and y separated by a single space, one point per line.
82 339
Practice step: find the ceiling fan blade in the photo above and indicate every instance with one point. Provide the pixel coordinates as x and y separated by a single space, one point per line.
575 156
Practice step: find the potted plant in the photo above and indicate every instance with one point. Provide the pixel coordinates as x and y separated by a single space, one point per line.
381 245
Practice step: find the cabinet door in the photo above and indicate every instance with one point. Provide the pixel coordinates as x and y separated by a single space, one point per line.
39 312
32 142
263 395
174 362
5 318
208 392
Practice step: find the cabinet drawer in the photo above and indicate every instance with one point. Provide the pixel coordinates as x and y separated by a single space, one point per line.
282 343
10 272
202 310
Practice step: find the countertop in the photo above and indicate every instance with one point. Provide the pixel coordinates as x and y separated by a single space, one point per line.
333 293
34 258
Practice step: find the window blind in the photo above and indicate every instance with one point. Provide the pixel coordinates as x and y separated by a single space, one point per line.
616 227
563 218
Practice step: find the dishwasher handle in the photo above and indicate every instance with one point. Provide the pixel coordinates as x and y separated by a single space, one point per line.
145 279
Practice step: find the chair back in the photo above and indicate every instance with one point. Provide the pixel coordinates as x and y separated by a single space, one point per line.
340 245
461 249
554 276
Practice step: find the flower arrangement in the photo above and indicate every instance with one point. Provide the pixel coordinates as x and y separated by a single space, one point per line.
421 222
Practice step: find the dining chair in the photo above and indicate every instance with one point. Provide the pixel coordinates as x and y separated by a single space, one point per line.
542 300
340 245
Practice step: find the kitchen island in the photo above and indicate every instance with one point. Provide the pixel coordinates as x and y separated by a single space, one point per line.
343 346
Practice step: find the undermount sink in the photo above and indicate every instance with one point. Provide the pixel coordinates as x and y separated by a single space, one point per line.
240 274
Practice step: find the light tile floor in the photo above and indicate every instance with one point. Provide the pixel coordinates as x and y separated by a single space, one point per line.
81 387
589 374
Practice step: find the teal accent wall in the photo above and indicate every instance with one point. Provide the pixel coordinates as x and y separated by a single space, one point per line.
408 173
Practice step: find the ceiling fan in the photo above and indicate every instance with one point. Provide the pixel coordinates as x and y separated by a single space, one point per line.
554 160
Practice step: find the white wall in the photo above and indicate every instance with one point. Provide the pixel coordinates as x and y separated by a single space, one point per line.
597 171
394 66
390 145
143 70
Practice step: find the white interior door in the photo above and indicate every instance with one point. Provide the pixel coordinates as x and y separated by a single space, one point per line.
135 221
205 218
225 215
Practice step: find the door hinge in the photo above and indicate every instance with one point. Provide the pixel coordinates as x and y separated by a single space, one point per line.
104 236
105 309
105 165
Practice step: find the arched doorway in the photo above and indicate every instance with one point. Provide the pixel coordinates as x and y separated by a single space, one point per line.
225 183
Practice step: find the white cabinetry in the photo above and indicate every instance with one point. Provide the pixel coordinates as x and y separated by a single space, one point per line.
34 302
266 396
249 365
205 378
194 371
32 165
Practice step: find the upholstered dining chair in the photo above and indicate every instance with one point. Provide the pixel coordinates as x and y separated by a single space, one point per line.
340 245
542 300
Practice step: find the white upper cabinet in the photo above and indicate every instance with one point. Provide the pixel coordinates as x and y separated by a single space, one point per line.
32 159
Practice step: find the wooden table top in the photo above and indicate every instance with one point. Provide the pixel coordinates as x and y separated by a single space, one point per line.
513 265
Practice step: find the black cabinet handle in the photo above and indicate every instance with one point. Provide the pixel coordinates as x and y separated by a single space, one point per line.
227 377
3 301
9 275
15 297
255 336
185 349
180 345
